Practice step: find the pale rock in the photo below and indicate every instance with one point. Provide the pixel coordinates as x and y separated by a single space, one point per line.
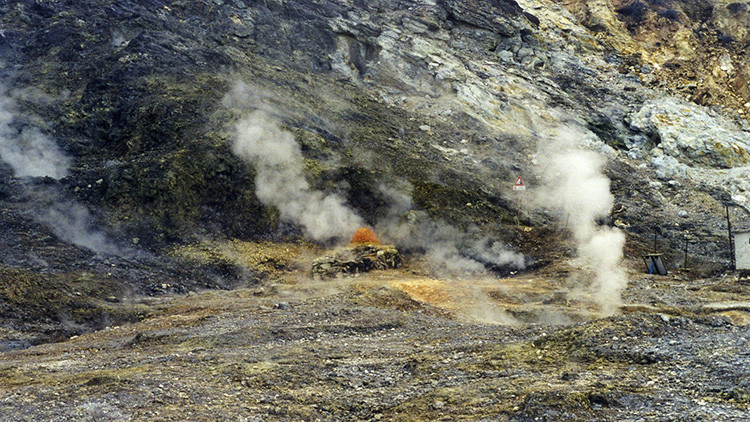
505 56
692 136
666 166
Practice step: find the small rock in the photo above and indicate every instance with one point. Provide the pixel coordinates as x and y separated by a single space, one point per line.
425 128
505 56
568 376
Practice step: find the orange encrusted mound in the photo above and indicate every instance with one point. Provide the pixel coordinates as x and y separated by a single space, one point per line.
365 236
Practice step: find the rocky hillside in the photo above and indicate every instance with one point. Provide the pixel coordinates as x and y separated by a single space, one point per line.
171 171
119 122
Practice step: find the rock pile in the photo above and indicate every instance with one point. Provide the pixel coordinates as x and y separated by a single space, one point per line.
356 259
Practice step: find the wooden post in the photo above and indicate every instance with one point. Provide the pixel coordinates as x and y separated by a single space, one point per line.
517 187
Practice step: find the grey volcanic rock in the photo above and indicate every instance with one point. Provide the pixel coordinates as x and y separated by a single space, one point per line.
136 93
502 17
416 113
356 260
693 135
136 100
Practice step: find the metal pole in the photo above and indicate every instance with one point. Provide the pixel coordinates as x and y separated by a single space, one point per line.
732 262
687 242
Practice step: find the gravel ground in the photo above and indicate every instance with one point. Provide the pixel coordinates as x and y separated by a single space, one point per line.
360 349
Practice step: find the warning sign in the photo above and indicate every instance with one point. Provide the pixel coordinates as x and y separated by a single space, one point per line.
519 185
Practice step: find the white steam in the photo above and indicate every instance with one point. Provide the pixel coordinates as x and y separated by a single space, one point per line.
575 186
28 152
73 223
280 183
456 253
450 251
280 180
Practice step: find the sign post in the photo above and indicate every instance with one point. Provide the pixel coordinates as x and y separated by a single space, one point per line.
518 186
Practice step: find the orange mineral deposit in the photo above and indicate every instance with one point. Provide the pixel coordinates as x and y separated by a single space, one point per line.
365 236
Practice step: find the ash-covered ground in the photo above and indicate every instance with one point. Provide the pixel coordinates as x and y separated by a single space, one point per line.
400 344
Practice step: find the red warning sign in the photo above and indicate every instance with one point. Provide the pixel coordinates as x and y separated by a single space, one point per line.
519 185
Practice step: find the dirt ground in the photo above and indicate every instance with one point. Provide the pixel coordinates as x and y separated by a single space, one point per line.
400 345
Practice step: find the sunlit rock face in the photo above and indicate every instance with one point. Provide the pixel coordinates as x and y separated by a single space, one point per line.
697 48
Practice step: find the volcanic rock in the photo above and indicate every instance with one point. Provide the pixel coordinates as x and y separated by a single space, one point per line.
355 260
692 134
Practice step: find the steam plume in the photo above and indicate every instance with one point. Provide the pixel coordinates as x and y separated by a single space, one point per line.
73 223
457 253
280 181
450 251
575 185
29 152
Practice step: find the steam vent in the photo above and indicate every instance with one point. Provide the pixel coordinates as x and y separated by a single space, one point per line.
364 254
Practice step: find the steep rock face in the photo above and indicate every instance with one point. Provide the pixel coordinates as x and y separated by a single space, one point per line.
140 97
451 99
697 49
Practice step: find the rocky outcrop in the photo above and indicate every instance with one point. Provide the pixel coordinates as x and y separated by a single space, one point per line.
696 49
693 135
501 17
355 260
